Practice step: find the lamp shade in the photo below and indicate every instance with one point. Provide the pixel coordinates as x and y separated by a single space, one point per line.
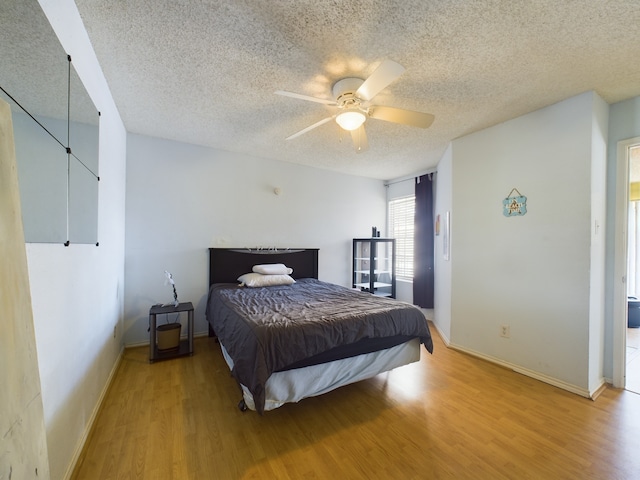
351 119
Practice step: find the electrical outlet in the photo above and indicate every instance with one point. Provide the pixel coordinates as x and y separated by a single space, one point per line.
505 331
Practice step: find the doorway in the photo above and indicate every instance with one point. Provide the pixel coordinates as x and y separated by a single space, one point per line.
626 367
632 350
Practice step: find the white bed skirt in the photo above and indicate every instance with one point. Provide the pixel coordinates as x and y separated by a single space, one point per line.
293 385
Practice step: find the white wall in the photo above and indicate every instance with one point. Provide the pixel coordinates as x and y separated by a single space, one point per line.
183 199
529 272
599 133
442 300
78 291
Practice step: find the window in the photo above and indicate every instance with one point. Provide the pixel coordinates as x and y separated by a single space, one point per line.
401 227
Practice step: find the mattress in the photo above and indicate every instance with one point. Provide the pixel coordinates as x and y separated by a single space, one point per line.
293 385
271 329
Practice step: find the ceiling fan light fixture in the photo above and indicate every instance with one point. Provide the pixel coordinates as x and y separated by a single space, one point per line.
351 119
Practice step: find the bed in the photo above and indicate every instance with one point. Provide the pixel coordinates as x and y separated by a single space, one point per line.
284 343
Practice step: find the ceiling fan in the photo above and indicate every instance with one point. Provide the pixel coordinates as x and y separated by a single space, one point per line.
353 97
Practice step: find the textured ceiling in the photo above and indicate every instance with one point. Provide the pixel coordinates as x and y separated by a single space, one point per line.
34 69
205 72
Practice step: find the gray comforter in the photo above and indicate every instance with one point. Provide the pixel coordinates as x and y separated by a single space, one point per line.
266 329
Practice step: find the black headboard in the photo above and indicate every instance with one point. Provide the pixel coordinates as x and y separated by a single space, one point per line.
227 264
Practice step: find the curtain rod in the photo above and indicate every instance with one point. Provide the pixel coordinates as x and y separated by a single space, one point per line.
410 177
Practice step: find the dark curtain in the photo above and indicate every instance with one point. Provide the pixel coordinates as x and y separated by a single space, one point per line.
423 257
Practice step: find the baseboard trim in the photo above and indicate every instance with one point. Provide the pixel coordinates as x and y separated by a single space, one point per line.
94 415
444 338
525 371
598 391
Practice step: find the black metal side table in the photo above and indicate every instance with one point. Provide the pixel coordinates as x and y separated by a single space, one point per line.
185 347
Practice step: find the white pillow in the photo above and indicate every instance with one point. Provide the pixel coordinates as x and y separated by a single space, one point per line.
273 269
259 280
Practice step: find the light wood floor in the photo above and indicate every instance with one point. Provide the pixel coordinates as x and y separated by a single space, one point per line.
633 360
447 416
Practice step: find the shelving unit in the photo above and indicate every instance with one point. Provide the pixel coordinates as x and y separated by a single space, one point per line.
374 266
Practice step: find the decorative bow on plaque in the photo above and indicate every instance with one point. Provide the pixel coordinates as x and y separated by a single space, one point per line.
514 204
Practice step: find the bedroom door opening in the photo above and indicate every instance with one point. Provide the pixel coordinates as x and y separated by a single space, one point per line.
632 349
626 366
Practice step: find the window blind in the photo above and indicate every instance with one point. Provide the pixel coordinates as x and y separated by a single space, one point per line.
401 227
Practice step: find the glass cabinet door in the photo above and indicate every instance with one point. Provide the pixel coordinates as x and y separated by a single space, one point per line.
362 265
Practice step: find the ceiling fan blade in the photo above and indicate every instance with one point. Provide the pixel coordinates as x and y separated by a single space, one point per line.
311 127
402 116
305 97
359 137
382 76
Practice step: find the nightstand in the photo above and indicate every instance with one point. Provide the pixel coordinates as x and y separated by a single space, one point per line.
185 347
